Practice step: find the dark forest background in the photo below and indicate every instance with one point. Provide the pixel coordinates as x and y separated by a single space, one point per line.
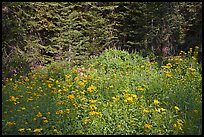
38 33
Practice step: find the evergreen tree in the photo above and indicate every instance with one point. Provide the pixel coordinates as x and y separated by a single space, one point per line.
43 32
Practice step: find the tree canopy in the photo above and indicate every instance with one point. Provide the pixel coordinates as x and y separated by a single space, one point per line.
42 32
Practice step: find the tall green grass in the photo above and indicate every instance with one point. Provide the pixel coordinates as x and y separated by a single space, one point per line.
115 93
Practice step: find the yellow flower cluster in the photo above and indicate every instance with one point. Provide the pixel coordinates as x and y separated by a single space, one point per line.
59 112
68 78
23 108
13 99
92 101
91 88
167 66
71 97
115 98
161 110
179 124
37 130
29 99
39 114
177 109
82 84
94 113
45 120
21 130
92 107
146 110
130 98
148 126
140 88
182 53
10 123
168 74
191 69
86 120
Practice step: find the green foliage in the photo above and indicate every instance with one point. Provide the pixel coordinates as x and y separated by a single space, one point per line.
115 93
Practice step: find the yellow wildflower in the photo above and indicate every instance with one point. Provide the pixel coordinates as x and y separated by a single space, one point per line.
23 108
59 112
37 130
45 121
169 65
142 66
92 107
13 98
92 113
176 108
21 130
162 109
83 98
28 129
146 110
179 121
157 110
147 126
140 88
39 114
71 97
92 101
114 98
174 125
44 118
49 85
67 111
58 103
194 58
164 67
29 99
114 75
11 123
156 102
130 99
86 120
55 130
179 124
168 74
192 69
111 86
82 84
91 88
134 96
51 79
190 50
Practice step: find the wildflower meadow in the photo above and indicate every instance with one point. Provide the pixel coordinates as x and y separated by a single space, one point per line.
116 93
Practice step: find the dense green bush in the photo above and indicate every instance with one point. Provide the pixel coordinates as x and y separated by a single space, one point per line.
115 93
